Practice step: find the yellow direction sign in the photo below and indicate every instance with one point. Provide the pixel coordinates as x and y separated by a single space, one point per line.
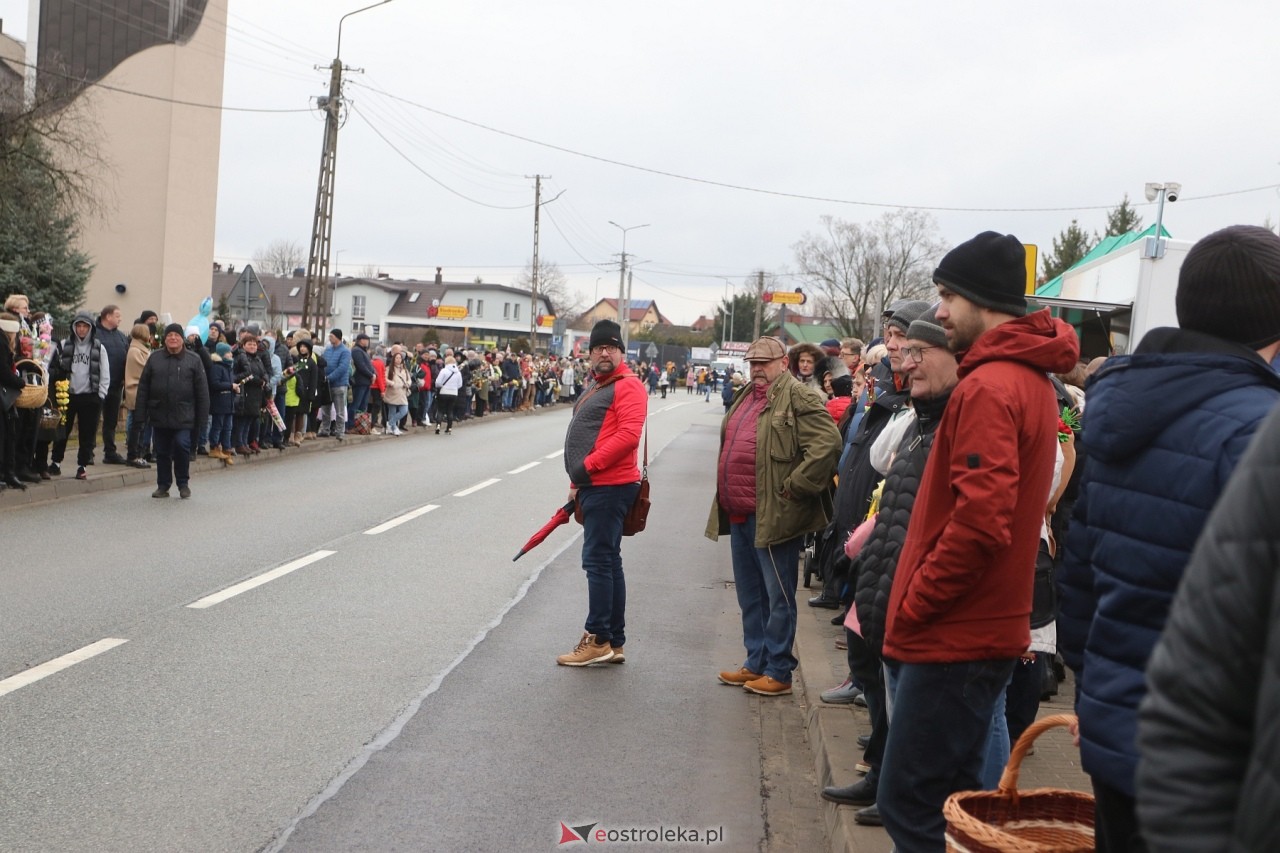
1033 254
452 312
784 297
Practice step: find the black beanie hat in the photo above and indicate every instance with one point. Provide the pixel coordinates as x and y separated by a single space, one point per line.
990 271
173 327
606 332
1229 286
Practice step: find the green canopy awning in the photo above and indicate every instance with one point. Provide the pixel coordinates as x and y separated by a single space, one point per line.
1053 287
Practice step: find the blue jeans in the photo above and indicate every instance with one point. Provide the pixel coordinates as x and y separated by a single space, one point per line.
396 413
997 751
765 579
937 743
603 509
173 456
220 432
359 403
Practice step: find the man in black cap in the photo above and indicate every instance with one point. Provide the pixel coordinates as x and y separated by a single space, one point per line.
173 397
959 611
362 377
1167 426
600 457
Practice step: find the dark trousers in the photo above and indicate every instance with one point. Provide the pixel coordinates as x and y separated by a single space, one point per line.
110 419
359 403
84 408
765 581
173 456
220 431
1116 827
1022 698
133 436
603 509
936 746
867 667
446 410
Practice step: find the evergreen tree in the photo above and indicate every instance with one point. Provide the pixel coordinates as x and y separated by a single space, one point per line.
1068 248
38 231
1122 219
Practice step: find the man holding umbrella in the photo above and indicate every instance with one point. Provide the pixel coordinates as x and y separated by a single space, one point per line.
600 456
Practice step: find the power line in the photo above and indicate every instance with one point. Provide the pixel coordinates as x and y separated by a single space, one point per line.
150 97
427 174
782 194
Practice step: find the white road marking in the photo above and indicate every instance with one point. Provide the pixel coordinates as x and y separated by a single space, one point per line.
265 577
554 455
477 487
399 520
48 668
669 408
524 468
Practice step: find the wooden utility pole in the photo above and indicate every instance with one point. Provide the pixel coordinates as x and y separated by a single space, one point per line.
314 300
755 329
533 294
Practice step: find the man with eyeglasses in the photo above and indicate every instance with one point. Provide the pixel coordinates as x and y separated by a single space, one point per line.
929 369
778 449
600 457
959 609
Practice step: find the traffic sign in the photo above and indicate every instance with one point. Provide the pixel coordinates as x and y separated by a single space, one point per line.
452 312
785 297
1032 254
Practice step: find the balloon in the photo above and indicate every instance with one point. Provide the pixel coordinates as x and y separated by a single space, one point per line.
201 320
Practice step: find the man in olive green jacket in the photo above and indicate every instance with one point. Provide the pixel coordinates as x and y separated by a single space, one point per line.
778 453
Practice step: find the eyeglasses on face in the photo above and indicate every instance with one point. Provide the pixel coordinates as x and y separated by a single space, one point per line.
603 348
916 354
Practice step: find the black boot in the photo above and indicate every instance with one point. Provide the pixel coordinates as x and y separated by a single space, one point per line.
862 793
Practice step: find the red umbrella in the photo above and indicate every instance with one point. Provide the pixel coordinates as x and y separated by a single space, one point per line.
562 516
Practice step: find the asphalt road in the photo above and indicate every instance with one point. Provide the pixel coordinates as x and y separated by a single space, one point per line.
362 672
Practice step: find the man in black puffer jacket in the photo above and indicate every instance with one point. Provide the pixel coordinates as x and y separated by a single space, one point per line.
1209 759
930 370
173 396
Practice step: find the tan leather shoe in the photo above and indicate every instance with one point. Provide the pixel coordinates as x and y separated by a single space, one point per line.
737 678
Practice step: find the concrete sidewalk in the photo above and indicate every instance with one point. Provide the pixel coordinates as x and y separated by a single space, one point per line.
102 477
833 732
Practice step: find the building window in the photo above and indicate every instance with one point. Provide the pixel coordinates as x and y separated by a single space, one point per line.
413 297
374 331
357 309
516 315
294 291
479 307
469 307
506 310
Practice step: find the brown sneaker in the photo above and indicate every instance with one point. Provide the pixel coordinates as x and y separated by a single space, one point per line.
768 686
737 678
587 652
618 656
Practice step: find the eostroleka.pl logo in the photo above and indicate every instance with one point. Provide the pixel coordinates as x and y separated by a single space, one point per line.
589 832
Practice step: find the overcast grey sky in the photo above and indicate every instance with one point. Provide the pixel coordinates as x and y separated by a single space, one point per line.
1000 106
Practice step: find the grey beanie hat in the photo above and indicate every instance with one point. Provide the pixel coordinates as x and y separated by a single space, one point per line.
925 328
907 312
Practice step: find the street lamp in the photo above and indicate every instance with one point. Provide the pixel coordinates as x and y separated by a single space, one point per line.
1168 190
624 309
318 279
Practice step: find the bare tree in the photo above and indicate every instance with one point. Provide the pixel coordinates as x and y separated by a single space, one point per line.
280 257
553 287
855 270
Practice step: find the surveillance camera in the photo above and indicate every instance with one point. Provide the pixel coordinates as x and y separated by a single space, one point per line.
1172 191
120 288
1152 190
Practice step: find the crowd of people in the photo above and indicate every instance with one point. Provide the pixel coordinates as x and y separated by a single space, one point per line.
983 520
256 390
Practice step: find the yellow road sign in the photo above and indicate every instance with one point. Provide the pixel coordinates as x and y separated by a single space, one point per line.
1033 255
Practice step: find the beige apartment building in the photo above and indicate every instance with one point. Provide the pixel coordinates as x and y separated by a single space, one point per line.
152 245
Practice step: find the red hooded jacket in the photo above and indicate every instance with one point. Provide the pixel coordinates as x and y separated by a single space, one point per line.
962 590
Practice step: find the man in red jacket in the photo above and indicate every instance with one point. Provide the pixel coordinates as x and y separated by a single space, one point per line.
960 606
600 457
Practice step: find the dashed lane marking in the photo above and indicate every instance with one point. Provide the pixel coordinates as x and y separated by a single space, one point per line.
524 468
400 519
477 487
554 455
44 670
265 577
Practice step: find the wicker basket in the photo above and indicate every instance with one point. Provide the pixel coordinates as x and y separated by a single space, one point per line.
36 392
1040 820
